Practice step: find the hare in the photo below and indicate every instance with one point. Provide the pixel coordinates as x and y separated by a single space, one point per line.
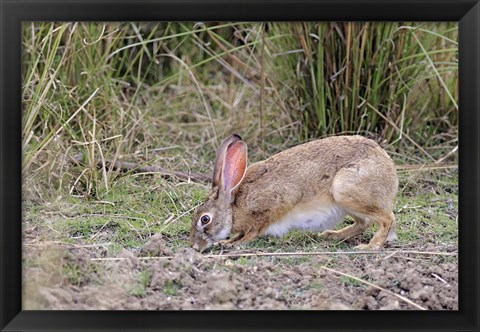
311 186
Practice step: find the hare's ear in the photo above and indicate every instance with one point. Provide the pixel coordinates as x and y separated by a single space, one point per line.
234 168
219 160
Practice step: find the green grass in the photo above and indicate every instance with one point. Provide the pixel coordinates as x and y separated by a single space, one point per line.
346 281
126 217
138 208
356 77
143 281
171 288
428 216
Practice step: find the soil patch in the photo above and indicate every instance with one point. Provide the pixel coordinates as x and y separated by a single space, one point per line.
63 277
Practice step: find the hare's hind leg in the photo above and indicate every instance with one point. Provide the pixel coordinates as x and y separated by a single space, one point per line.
365 195
348 232
385 222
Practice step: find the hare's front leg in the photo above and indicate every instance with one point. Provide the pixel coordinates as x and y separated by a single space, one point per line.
229 242
239 238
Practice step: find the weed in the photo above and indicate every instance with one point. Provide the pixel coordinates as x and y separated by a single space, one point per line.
171 287
351 282
143 282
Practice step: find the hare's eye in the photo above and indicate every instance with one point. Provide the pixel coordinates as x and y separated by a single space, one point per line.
205 219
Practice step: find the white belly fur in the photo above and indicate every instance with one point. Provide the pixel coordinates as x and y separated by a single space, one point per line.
310 216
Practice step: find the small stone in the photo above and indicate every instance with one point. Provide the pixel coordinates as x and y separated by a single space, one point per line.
339 306
391 305
155 247
437 270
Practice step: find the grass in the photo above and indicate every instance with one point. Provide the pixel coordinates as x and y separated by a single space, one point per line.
171 288
351 282
141 287
351 69
127 217
426 214
166 94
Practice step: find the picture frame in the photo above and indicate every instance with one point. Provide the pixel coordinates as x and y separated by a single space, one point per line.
466 13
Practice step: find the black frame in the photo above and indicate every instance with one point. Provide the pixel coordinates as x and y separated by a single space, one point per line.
466 12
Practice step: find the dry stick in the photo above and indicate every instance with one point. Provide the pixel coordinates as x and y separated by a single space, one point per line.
439 161
125 166
66 245
314 253
424 167
373 285
440 278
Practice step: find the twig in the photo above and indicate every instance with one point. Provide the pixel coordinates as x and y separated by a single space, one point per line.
104 202
101 229
392 254
170 221
124 166
436 276
66 245
375 286
315 253
424 167
439 161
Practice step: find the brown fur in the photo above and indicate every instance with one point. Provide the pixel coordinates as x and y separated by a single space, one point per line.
351 171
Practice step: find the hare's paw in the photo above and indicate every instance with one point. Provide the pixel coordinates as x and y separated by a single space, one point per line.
231 241
330 235
225 243
364 246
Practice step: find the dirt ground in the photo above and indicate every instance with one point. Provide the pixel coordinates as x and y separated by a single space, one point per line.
69 277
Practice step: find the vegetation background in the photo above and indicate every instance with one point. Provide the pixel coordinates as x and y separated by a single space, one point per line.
121 122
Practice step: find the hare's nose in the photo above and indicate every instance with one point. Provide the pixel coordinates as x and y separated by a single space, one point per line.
196 246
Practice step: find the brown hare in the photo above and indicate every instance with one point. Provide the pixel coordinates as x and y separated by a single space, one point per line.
312 186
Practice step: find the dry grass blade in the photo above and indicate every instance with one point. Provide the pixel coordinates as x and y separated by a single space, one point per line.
413 304
432 65
207 106
125 166
453 151
82 107
390 122
424 167
315 253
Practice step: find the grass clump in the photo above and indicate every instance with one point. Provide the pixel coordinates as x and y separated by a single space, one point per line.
142 285
171 288
370 77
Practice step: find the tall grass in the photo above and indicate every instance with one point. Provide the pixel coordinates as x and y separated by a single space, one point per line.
370 77
167 93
